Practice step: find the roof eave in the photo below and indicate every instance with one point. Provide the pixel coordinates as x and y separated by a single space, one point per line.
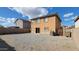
47 16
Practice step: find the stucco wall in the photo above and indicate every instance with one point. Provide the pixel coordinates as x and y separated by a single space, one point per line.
50 25
77 24
75 36
26 24
19 23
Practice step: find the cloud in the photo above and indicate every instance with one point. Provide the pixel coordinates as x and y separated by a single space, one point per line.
2 20
72 18
8 24
31 12
68 14
7 21
10 20
67 19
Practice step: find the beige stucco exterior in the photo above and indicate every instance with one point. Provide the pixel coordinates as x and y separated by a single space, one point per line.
53 24
41 25
19 23
77 24
24 24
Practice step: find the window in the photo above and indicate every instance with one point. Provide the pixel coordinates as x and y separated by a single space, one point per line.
45 28
32 20
38 20
45 20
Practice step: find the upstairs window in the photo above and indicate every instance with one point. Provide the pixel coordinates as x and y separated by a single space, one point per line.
32 20
38 20
46 20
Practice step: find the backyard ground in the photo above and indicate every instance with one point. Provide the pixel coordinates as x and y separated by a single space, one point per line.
39 42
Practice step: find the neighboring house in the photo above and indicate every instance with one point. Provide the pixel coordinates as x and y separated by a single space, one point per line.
67 31
77 22
47 24
24 24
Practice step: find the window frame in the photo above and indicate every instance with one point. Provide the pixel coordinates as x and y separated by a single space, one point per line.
38 21
45 20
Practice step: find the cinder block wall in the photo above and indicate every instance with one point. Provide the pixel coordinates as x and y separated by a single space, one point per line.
75 36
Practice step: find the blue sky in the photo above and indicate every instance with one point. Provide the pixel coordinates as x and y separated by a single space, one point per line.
9 14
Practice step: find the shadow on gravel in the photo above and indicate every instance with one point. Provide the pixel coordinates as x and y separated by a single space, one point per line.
5 47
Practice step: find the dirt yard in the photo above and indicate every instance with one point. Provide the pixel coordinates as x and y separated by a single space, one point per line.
39 42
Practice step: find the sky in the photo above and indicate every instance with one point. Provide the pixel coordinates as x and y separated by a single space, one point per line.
8 15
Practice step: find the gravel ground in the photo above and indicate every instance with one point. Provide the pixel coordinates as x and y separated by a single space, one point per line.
39 42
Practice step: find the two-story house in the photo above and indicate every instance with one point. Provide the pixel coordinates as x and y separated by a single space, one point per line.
46 24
